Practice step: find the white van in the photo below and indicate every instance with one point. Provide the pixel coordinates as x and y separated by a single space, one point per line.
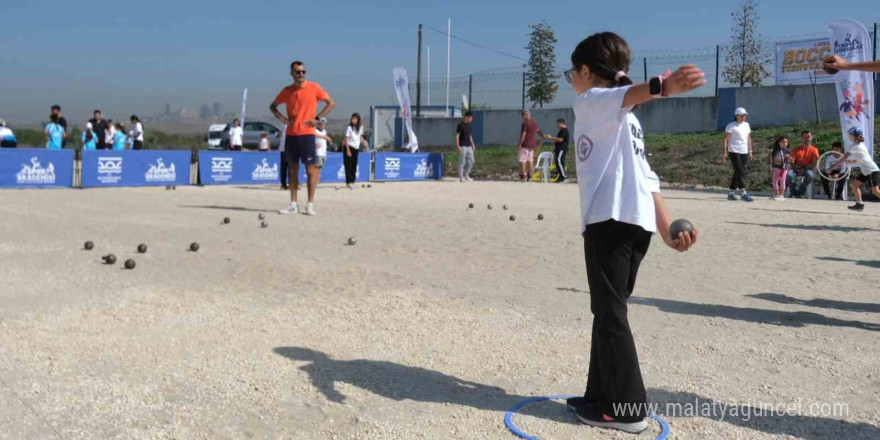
215 132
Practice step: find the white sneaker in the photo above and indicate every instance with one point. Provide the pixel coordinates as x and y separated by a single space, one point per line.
350 186
310 209
461 179
468 178
292 208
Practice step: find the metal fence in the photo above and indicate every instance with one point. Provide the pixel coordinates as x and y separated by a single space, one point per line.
504 88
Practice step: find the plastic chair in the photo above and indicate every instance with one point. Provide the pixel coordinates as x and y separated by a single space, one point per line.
542 167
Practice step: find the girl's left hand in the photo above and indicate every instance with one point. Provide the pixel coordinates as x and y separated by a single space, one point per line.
683 242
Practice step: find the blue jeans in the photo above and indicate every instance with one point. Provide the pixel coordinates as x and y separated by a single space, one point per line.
802 188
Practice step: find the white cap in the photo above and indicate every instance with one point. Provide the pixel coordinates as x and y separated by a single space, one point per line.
2 122
88 125
740 111
323 120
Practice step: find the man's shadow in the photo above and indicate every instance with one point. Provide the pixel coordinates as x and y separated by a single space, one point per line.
402 382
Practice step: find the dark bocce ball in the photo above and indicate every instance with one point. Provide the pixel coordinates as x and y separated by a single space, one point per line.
89 245
352 241
110 259
261 216
142 248
679 226
265 224
226 220
513 218
540 216
194 247
129 264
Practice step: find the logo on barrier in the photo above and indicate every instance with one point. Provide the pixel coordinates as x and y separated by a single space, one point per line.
340 174
584 148
35 173
160 173
221 168
392 167
424 170
109 169
262 171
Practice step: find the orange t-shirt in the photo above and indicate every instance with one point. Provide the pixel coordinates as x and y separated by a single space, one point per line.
804 156
302 105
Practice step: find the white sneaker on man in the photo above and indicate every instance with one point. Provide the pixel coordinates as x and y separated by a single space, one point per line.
292 208
310 209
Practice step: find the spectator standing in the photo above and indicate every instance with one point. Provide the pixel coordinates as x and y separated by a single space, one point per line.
561 149
354 135
780 157
805 157
110 134
55 133
264 142
89 138
120 140
137 133
464 143
236 136
99 125
301 100
321 141
7 137
61 121
284 163
738 146
526 146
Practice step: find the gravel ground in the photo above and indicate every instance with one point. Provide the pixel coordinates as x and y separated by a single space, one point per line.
438 319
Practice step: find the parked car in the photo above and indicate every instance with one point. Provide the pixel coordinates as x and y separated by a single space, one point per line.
253 132
215 133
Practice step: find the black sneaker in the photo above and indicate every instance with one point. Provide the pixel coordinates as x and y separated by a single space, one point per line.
593 416
857 207
574 403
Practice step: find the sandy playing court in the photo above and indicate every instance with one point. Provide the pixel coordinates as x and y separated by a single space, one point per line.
432 326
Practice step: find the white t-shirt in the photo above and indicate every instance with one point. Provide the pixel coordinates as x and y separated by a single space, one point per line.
109 134
614 177
139 129
320 143
235 135
264 144
283 137
860 158
354 138
739 137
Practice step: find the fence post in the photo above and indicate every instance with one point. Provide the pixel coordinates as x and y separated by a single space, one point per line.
470 91
645 64
717 66
419 78
524 92
875 48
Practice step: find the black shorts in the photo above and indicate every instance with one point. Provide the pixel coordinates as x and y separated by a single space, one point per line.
301 149
872 179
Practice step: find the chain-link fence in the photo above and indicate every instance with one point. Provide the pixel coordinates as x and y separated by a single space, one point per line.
504 88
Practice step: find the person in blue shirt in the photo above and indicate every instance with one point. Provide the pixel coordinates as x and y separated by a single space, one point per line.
7 137
89 138
119 138
55 133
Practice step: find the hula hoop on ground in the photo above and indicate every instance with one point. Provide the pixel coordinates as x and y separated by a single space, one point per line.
508 418
821 166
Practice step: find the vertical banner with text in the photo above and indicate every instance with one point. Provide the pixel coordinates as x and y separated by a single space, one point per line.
855 90
401 85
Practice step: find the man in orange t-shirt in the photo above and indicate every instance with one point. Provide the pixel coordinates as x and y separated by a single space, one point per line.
301 99
806 157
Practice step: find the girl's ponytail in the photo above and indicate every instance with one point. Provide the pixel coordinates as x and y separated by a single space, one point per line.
607 55
621 79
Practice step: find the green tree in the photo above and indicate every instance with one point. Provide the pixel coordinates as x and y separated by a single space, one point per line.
746 58
541 79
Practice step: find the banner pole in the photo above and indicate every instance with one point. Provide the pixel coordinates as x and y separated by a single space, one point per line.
419 77
717 66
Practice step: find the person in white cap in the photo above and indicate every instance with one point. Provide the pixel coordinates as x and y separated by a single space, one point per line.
738 147
7 137
859 158
89 138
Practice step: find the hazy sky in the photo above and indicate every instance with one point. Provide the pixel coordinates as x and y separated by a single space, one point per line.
133 57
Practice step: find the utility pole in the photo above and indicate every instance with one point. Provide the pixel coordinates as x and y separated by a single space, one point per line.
470 91
419 78
524 92
717 67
